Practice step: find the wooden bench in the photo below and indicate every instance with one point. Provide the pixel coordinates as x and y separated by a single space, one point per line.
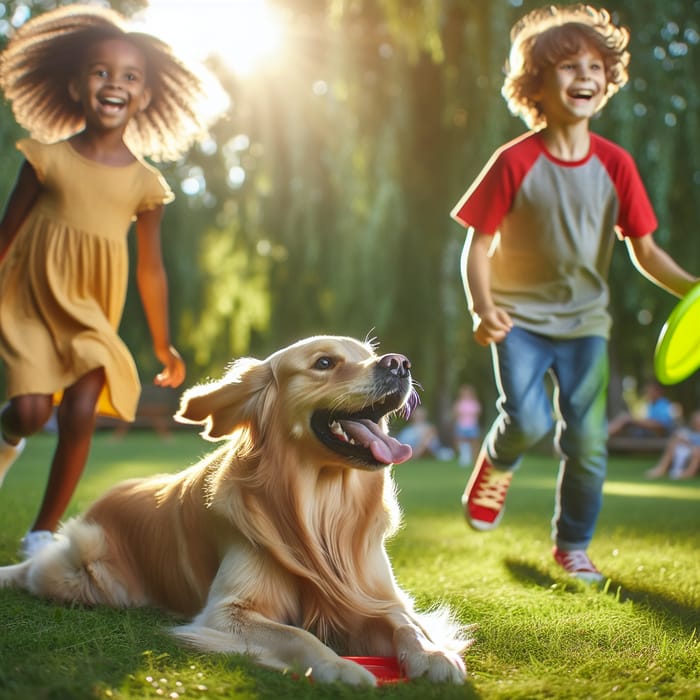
155 411
637 444
629 444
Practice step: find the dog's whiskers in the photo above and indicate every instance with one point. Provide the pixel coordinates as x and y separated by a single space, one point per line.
412 402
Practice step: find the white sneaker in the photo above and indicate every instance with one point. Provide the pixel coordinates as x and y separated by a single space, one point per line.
8 455
577 563
34 541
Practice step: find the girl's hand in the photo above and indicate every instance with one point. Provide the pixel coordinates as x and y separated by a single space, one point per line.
173 373
494 325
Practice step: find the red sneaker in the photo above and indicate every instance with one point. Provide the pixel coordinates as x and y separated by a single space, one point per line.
577 563
485 495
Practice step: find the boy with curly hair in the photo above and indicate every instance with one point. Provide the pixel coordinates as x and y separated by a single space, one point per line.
542 218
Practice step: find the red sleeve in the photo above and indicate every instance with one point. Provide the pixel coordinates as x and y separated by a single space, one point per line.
491 196
636 216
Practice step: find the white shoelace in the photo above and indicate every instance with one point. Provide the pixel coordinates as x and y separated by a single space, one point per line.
492 489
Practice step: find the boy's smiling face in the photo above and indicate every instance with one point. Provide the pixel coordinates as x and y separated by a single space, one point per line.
573 88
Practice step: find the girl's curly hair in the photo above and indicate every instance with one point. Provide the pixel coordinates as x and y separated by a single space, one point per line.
47 52
547 35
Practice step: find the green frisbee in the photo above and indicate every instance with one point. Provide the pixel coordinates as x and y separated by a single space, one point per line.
677 353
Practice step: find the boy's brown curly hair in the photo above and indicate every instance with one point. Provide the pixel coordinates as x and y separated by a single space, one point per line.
47 52
544 37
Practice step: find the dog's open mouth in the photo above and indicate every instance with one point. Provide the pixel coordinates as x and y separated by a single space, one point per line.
359 437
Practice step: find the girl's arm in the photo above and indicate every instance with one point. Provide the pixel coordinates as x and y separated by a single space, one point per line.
153 288
658 266
24 194
491 323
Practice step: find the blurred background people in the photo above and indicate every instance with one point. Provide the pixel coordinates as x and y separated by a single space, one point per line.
423 437
467 431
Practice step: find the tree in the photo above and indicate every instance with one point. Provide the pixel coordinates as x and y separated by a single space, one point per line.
321 203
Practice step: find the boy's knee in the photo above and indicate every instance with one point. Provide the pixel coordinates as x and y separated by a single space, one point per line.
519 433
583 446
533 427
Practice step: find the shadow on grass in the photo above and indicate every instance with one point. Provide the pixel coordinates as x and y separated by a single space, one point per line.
666 608
685 617
526 573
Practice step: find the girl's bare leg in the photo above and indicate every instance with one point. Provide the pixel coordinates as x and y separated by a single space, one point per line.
664 463
24 416
76 424
693 466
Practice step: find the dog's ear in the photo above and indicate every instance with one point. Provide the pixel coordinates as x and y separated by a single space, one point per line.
236 401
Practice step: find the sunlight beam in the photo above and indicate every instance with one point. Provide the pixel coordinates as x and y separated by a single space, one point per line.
241 33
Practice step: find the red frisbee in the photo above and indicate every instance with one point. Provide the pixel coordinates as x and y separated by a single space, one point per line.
385 668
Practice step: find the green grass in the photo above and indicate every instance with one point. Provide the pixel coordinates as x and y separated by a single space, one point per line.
538 634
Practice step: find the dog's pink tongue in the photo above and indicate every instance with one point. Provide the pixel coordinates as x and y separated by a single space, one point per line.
384 448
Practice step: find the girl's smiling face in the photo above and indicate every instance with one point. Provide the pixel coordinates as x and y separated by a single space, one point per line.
112 84
573 88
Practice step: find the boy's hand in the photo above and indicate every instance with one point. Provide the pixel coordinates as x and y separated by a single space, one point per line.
173 373
494 325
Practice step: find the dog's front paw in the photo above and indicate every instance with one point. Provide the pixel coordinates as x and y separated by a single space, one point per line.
342 670
438 666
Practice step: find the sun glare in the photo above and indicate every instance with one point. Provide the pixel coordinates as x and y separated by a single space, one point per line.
242 33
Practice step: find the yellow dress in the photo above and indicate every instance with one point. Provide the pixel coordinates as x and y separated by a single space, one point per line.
63 281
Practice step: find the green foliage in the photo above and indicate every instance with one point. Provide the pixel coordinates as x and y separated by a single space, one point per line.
237 301
368 133
538 634
655 118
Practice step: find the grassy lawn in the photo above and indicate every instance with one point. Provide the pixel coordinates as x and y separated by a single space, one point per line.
538 635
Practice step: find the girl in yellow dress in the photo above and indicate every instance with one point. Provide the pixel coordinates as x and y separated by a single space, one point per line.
97 99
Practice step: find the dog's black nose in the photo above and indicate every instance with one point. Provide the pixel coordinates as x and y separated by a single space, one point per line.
399 365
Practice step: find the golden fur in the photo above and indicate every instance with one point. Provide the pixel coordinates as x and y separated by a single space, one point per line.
273 545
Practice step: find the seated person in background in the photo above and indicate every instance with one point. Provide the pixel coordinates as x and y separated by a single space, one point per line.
658 421
423 437
681 457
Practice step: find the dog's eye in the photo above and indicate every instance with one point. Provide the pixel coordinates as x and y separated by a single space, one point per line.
324 362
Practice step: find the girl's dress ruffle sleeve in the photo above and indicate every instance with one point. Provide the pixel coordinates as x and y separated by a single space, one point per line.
156 190
36 154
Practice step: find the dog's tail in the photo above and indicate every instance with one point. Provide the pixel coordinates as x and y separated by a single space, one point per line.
15 575
75 568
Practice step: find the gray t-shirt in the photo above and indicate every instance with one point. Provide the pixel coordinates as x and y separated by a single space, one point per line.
556 223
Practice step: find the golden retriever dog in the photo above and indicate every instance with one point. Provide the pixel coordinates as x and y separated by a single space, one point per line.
273 545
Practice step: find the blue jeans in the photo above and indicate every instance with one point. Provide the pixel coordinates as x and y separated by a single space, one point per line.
579 370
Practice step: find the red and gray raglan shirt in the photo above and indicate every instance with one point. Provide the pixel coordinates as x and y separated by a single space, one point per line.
556 223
